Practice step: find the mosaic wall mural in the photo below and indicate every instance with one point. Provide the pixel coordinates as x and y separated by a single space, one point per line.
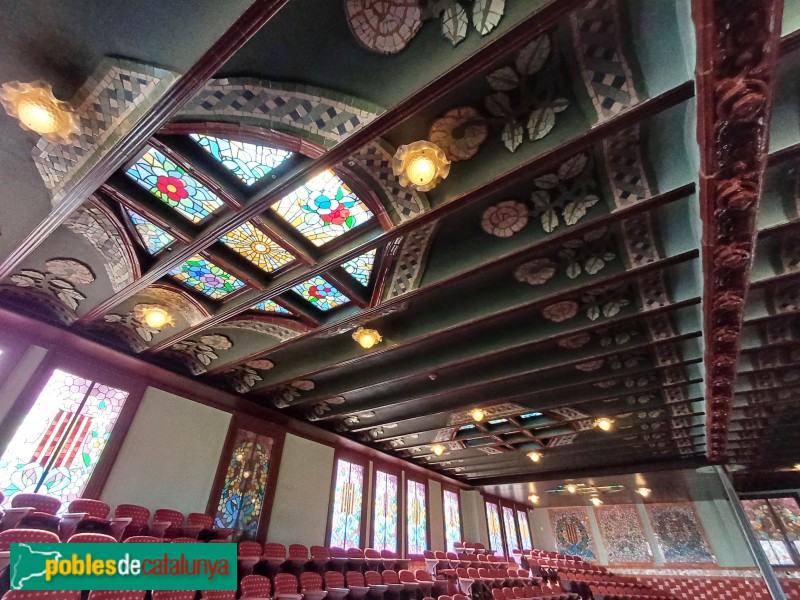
622 534
679 533
572 532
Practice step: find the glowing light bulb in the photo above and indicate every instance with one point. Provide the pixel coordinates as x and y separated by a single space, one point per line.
643 492
533 498
39 110
535 455
37 116
367 338
596 501
421 170
421 165
571 488
478 414
438 449
604 423
797 467
153 315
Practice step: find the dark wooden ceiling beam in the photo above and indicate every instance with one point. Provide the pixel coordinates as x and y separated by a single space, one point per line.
187 85
737 51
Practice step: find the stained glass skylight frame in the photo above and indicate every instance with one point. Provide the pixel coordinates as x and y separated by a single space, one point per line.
270 306
153 238
360 267
248 161
250 242
200 274
321 294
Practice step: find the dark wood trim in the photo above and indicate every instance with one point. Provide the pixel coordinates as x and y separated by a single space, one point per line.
243 29
222 468
790 42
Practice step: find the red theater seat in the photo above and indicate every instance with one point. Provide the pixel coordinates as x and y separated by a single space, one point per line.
174 595
91 538
255 586
357 585
311 586
168 522
286 586
139 517
115 595
31 595
334 584
143 539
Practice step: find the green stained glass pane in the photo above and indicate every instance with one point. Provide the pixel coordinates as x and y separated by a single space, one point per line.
174 186
252 243
152 236
321 293
270 306
452 520
361 267
323 209
206 277
249 162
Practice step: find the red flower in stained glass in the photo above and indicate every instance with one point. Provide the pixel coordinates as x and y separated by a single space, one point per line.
337 216
319 291
172 187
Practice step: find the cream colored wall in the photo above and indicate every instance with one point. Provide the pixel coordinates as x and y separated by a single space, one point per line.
436 515
302 498
20 375
170 455
473 517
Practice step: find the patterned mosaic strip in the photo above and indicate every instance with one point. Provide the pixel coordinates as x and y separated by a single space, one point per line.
411 258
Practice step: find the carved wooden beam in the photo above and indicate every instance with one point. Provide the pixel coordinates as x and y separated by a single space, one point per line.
737 47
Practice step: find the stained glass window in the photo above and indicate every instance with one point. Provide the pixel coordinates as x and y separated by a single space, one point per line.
361 267
498 421
242 497
452 519
511 529
323 209
173 185
495 533
270 306
206 277
56 448
776 523
249 162
153 237
524 530
384 520
252 243
346 517
321 293
417 516
530 415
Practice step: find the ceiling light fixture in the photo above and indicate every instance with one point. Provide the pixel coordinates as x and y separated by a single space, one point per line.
644 492
367 338
437 449
37 109
595 500
535 455
533 498
153 315
604 423
797 467
421 165
571 488
478 414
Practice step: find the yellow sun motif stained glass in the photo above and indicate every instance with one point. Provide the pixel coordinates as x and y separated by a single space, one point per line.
252 243
323 209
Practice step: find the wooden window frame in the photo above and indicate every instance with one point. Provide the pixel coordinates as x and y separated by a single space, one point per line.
793 552
496 501
356 459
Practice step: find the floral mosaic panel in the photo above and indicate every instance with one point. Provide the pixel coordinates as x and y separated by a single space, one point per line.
572 532
205 277
622 534
679 533
249 162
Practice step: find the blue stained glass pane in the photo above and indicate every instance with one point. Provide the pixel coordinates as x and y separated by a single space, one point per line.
498 421
384 536
530 415
249 162
206 277
321 294
172 185
417 510
347 505
153 237
466 427
511 529
271 306
361 267
493 520
452 520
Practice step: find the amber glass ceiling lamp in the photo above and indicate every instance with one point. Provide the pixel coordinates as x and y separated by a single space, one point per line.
38 110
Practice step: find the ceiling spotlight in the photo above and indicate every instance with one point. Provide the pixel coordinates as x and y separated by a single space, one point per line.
571 488
535 455
797 467
421 165
367 338
39 110
533 498
643 492
478 414
438 449
153 315
604 423
595 500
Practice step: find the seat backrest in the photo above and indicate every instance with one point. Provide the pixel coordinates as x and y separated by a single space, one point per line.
390 576
462 573
92 538
273 550
373 578
451 556
218 595
429 554
508 593
139 515
298 551
250 548
37 595
445 598
354 579
10 536
334 579
255 586
285 583
422 575
173 595
484 572
472 573
184 540
310 581
355 553
168 515
388 554
459 597
93 508
38 502
497 594
143 539
200 520
115 595
320 553
482 558
372 553
406 576
337 552
519 592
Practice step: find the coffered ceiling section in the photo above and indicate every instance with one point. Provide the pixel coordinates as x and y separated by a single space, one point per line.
556 277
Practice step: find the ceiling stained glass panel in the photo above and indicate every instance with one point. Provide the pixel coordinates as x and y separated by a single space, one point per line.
323 209
173 185
270 306
321 293
152 236
249 162
207 278
252 243
361 267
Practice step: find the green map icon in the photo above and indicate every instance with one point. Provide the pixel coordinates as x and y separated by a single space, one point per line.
29 564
